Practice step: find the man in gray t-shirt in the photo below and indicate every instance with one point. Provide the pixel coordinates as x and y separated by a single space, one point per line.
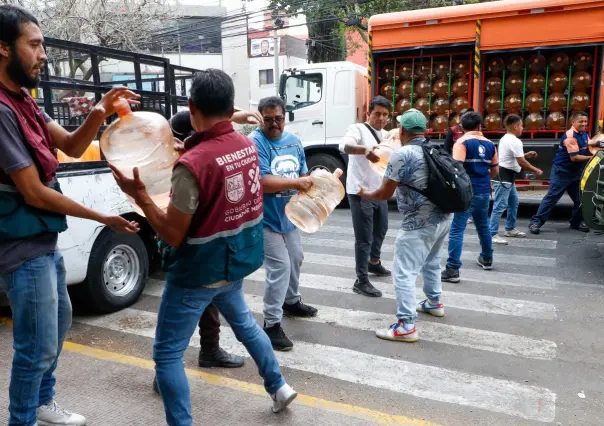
32 211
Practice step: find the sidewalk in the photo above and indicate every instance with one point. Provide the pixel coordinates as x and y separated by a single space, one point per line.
110 389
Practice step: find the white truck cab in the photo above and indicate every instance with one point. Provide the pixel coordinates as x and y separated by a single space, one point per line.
322 100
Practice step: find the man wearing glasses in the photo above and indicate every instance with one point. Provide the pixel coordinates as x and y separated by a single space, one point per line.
283 173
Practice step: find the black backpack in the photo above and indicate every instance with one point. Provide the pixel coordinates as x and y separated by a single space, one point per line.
449 186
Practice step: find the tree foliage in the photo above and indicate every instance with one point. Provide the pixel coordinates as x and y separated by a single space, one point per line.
329 21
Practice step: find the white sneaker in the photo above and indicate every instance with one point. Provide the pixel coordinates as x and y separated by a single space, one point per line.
397 332
498 240
283 397
514 233
53 414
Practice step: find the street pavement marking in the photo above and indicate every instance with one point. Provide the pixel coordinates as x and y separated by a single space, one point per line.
467 301
251 388
507 344
418 380
468 256
542 244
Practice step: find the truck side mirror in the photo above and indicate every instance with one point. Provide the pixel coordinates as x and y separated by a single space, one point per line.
290 115
282 82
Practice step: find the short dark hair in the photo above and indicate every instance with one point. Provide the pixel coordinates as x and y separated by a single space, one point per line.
213 93
512 119
181 125
11 19
471 121
271 102
578 114
380 101
463 111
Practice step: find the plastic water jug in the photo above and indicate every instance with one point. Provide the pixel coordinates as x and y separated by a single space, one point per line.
142 139
309 210
383 151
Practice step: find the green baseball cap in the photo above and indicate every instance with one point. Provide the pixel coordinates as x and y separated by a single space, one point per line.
413 121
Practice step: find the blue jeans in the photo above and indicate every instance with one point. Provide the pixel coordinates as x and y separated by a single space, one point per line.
559 183
179 313
416 252
506 198
41 308
480 213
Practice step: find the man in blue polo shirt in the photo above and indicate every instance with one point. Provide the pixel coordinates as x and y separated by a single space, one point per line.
479 157
569 162
283 173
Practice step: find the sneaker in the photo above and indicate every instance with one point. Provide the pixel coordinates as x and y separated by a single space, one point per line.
379 270
299 309
582 227
487 265
470 221
283 397
514 233
437 310
498 240
534 228
450 275
366 289
53 414
396 332
220 358
278 338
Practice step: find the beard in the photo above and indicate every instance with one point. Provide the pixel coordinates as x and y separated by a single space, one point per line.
17 72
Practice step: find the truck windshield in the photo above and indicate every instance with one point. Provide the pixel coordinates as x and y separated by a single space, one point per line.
303 90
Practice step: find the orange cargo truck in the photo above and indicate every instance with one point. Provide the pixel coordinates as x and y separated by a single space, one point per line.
540 59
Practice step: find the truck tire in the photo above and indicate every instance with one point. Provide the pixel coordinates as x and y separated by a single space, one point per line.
117 272
330 162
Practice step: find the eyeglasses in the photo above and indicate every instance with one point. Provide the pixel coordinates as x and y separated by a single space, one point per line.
270 120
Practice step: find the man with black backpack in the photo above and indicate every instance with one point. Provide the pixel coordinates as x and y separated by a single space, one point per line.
480 159
369 217
412 172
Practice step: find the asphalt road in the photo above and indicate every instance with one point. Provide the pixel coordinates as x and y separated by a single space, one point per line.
519 345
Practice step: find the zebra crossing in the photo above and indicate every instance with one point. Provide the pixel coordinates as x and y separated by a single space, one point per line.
493 318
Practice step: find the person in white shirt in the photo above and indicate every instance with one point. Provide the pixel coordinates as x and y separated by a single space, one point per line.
512 160
369 217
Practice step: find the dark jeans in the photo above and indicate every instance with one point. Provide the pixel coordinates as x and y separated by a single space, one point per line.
560 182
209 329
370 223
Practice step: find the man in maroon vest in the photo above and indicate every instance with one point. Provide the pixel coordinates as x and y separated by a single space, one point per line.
32 213
214 228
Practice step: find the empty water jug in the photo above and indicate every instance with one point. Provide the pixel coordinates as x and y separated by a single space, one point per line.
142 139
383 151
309 210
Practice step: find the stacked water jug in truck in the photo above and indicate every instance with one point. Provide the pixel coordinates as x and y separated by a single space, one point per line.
539 59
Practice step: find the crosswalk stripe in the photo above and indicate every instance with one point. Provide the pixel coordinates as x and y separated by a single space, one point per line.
468 256
503 343
423 381
466 301
541 244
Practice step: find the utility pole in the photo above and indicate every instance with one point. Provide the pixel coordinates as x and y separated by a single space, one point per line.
278 24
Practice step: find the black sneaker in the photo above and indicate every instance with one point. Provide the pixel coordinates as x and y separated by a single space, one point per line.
278 338
534 228
487 265
366 289
220 358
299 309
582 227
378 269
450 275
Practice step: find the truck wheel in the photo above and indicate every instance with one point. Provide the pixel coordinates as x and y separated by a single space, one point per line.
117 272
327 161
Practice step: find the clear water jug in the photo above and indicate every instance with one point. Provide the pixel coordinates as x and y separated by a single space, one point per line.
142 139
309 210
383 151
